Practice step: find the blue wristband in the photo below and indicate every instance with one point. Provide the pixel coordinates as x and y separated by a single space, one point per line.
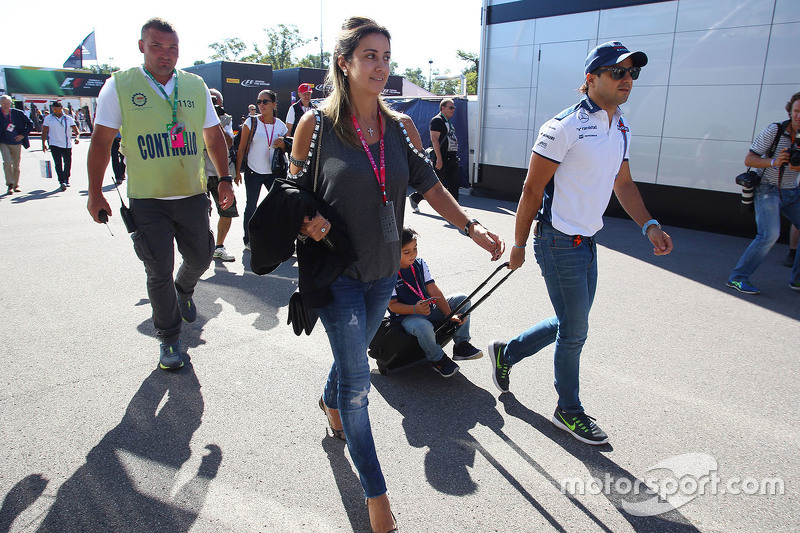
518 246
651 222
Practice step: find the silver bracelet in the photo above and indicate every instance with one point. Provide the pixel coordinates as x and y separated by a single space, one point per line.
296 162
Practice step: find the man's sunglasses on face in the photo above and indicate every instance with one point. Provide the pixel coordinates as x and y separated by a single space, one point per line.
617 73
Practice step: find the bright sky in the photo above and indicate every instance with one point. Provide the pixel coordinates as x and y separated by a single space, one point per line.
421 30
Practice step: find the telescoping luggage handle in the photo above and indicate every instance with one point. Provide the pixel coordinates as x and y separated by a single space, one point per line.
455 311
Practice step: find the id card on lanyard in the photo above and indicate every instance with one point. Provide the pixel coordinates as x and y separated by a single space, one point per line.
387 218
176 130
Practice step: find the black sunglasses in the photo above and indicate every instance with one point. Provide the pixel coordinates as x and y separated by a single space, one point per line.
617 73
259 102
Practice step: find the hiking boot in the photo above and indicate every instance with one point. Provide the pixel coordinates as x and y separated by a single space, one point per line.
445 366
223 255
464 351
743 286
187 308
500 368
171 357
579 425
789 260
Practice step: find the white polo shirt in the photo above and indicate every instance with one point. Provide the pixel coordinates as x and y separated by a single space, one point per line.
109 113
589 153
59 133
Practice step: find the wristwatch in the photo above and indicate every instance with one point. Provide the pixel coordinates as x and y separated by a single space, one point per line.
469 225
226 178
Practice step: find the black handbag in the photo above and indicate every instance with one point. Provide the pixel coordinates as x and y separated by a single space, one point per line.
280 165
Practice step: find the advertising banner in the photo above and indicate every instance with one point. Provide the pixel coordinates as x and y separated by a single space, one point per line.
53 82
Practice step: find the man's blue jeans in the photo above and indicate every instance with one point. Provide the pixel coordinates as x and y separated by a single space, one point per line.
570 274
422 327
351 321
770 203
253 182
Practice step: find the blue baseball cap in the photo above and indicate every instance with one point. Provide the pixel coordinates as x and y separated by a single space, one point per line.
611 53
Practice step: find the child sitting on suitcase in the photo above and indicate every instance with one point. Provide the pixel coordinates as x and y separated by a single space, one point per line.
421 306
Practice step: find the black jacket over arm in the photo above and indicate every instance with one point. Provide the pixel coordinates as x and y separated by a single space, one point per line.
273 231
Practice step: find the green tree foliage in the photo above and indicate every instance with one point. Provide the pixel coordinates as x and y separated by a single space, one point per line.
105 68
416 77
312 61
229 49
281 42
471 72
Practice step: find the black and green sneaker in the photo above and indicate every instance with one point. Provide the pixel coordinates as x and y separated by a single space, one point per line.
170 357
579 425
500 368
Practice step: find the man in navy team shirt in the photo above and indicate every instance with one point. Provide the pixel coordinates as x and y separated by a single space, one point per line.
579 158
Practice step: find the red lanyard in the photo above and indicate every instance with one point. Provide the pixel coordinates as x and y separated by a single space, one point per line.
269 139
381 177
418 290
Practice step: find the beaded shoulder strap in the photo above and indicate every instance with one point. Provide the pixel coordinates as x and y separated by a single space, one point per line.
316 143
422 155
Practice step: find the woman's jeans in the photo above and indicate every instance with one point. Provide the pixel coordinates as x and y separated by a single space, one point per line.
570 274
770 203
422 327
351 321
253 182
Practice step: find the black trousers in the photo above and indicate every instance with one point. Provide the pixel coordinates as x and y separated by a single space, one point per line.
62 157
159 225
448 175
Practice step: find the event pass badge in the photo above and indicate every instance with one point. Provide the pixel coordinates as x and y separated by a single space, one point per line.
177 134
388 222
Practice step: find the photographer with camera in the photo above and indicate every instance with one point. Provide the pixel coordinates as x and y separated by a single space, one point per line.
777 193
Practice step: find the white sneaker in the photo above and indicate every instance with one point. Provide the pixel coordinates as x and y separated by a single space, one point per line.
222 254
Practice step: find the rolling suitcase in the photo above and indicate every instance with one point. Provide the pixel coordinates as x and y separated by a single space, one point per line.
393 348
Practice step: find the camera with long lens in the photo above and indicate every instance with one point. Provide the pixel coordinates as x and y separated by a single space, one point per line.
794 151
794 155
749 179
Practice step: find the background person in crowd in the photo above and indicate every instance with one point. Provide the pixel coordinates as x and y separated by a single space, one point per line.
778 193
226 215
794 238
14 129
419 304
57 131
117 160
445 146
366 162
579 158
254 156
299 108
171 111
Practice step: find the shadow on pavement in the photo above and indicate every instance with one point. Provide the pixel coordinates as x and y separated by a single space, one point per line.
128 483
707 258
600 467
428 423
20 497
347 482
262 296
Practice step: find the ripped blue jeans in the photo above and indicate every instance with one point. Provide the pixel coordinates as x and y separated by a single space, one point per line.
351 321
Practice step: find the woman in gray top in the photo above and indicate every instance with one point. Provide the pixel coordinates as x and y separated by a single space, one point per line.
369 155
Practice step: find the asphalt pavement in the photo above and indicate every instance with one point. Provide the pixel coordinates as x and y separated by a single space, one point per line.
694 383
